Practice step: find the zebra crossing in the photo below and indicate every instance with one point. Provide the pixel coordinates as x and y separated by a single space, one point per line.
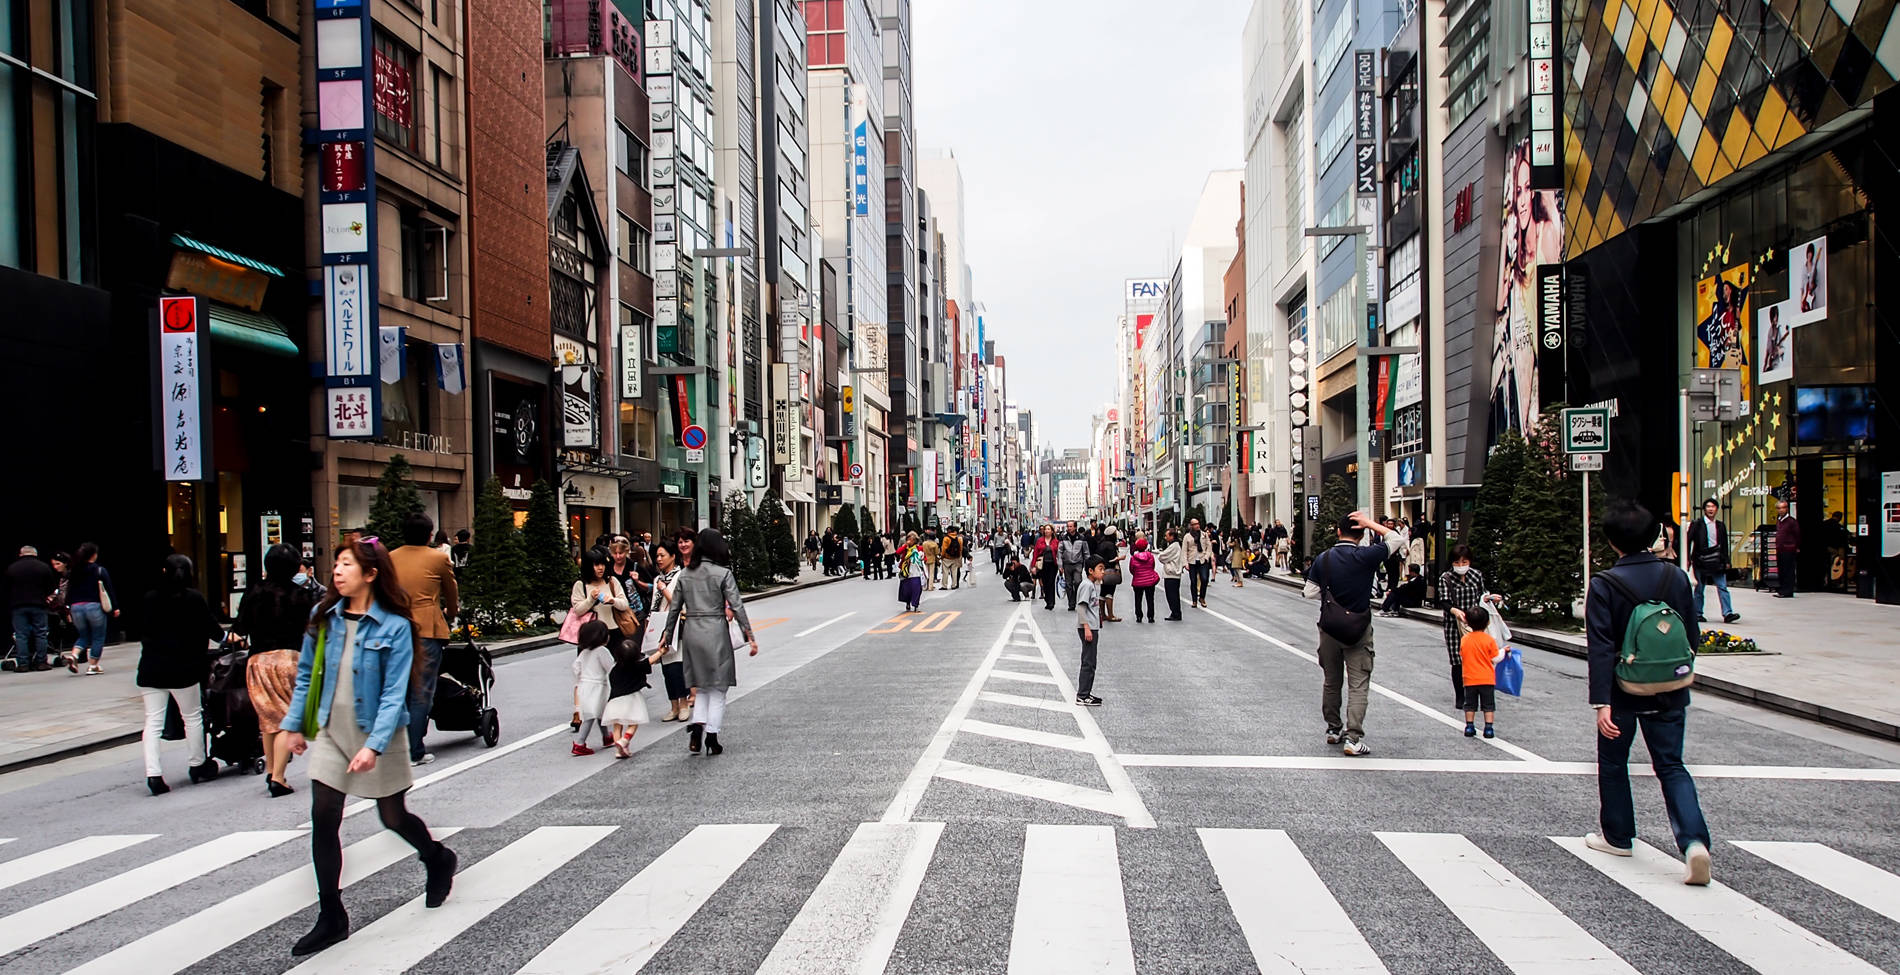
1072 905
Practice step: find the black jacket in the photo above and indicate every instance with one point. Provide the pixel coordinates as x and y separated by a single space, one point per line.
29 582
1702 555
1609 615
179 631
1016 573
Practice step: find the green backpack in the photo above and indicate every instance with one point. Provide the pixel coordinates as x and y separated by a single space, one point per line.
1655 655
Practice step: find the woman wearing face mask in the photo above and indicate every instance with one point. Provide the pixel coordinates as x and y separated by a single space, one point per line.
1459 589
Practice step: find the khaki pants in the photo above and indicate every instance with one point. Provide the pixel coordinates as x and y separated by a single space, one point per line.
1352 665
930 573
952 571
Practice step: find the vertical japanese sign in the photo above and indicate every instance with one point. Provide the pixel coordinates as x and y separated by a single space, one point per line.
630 364
1547 170
353 83
1365 153
783 434
181 397
861 168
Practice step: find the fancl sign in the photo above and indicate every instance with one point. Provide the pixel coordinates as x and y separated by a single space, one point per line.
1145 289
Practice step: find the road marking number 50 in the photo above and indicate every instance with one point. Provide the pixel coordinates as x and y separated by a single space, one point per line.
934 623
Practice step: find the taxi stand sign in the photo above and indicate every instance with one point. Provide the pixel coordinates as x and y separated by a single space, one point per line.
1586 441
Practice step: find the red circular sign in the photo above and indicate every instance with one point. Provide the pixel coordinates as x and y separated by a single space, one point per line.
179 314
693 437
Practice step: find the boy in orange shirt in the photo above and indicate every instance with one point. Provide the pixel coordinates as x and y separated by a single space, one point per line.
1480 655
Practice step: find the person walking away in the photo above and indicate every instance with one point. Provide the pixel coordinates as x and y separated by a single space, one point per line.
1282 544
1173 561
357 669
672 662
1142 577
1016 579
179 627
873 550
1787 547
1460 589
1237 560
1043 559
1108 549
811 550
31 587
1644 588
91 597
1088 627
1481 656
999 548
1341 578
706 589
1199 550
1394 566
1075 555
429 577
593 662
850 547
950 558
932 553
271 621
1708 556
910 589
459 552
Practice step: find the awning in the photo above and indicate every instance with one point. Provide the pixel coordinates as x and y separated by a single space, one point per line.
180 240
259 333
794 494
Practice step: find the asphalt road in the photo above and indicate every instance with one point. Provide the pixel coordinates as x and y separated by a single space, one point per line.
914 793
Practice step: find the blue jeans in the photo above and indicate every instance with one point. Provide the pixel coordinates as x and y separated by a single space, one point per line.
1663 733
423 697
1721 590
29 635
90 620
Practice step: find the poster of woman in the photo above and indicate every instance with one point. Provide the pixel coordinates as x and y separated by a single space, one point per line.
1776 335
1532 235
1722 323
1807 279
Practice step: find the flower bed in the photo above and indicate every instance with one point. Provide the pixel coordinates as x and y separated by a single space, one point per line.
1719 641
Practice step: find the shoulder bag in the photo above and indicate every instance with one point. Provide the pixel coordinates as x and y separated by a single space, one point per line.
625 619
1337 621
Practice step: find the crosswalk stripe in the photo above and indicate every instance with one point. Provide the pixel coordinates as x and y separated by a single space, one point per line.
851 921
1028 736
1042 703
1292 923
1070 915
1035 788
633 923
1754 934
1525 931
52 860
405 936
179 946
1022 658
60 914
1025 678
1863 883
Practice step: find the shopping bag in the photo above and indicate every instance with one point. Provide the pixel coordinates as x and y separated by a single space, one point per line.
1497 628
571 627
1510 672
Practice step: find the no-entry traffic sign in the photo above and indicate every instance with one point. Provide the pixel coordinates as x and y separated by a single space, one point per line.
693 437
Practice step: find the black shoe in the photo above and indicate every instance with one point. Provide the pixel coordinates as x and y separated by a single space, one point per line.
1174 619
1088 700
277 789
333 926
156 783
204 771
1699 618
712 744
41 664
1730 618
441 876
694 733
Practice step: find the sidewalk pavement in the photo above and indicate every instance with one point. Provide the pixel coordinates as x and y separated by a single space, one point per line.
49 715
1826 656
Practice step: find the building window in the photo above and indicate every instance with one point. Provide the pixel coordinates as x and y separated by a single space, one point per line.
567 305
1468 56
639 431
394 73
1403 184
630 157
1337 37
1293 151
1338 321
635 244
1296 319
824 33
425 258
1333 137
443 91
1337 215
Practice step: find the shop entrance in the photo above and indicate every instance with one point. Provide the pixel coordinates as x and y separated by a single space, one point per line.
1829 493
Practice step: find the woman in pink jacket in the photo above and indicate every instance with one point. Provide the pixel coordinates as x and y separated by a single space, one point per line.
1143 577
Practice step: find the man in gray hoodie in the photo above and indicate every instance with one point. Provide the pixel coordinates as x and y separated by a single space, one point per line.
1072 556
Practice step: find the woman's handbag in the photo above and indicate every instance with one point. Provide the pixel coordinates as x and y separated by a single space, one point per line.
626 619
1112 577
571 627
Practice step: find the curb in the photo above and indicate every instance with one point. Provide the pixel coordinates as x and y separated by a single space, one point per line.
1834 717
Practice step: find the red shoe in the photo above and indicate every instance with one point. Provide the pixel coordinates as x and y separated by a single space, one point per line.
580 749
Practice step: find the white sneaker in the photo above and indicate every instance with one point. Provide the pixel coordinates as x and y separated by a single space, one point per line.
1596 842
426 758
1696 866
1354 746
1332 738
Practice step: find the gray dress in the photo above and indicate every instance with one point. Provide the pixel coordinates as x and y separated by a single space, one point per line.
340 739
701 595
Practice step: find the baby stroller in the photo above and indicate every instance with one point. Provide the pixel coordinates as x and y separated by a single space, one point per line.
230 721
464 693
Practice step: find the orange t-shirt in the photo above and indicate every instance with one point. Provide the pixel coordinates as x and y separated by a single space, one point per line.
1477 649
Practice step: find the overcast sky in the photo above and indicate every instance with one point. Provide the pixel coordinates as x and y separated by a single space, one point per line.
1084 131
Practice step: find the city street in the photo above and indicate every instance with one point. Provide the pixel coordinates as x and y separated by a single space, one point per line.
916 793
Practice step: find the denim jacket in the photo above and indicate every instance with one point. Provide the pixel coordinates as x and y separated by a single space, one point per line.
384 651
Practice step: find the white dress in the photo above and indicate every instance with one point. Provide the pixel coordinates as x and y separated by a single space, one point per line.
628 709
590 681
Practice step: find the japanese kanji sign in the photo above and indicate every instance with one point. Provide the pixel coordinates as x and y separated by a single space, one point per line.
181 402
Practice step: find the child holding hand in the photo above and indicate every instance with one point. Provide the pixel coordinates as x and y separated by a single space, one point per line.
1480 655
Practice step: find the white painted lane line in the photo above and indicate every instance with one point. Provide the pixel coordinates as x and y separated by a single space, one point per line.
1022 658
1025 678
1112 770
1028 736
834 619
1755 935
1017 700
1070 914
1426 710
1791 773
850 923
401 939
633 923
904 804
1525 931
1291 921
54 859
178 946
1863 883
488 755
1029 786
60 914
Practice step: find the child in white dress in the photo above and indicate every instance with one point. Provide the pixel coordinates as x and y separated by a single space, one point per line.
591 667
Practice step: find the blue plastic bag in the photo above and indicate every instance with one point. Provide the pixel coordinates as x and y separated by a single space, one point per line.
1510 672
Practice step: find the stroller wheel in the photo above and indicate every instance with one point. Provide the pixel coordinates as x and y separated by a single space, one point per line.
490 729
257 766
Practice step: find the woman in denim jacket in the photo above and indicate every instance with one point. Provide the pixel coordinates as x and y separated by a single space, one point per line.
354 677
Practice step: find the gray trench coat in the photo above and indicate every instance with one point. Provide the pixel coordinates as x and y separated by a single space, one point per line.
701 596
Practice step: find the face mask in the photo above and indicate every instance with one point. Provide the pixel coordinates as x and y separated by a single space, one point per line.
1461 569
300 578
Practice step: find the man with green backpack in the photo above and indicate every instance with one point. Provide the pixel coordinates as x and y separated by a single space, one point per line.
1642 639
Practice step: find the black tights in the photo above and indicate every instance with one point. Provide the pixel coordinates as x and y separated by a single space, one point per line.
326 841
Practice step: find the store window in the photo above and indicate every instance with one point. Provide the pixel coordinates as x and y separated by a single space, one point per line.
639 436
394 73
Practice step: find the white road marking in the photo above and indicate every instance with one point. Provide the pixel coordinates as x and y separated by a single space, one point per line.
1377 688
1863 883
633 923
809 631
54 859
1112 770
406 936
904 804
1292 923
1028 736
178 946
1017 700
851 922
59 914
1025 678
1022 658
489 755
1756 936
1525 931
1481 766
1048 790
1070 915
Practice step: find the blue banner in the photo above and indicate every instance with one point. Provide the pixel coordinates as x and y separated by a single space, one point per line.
861 169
